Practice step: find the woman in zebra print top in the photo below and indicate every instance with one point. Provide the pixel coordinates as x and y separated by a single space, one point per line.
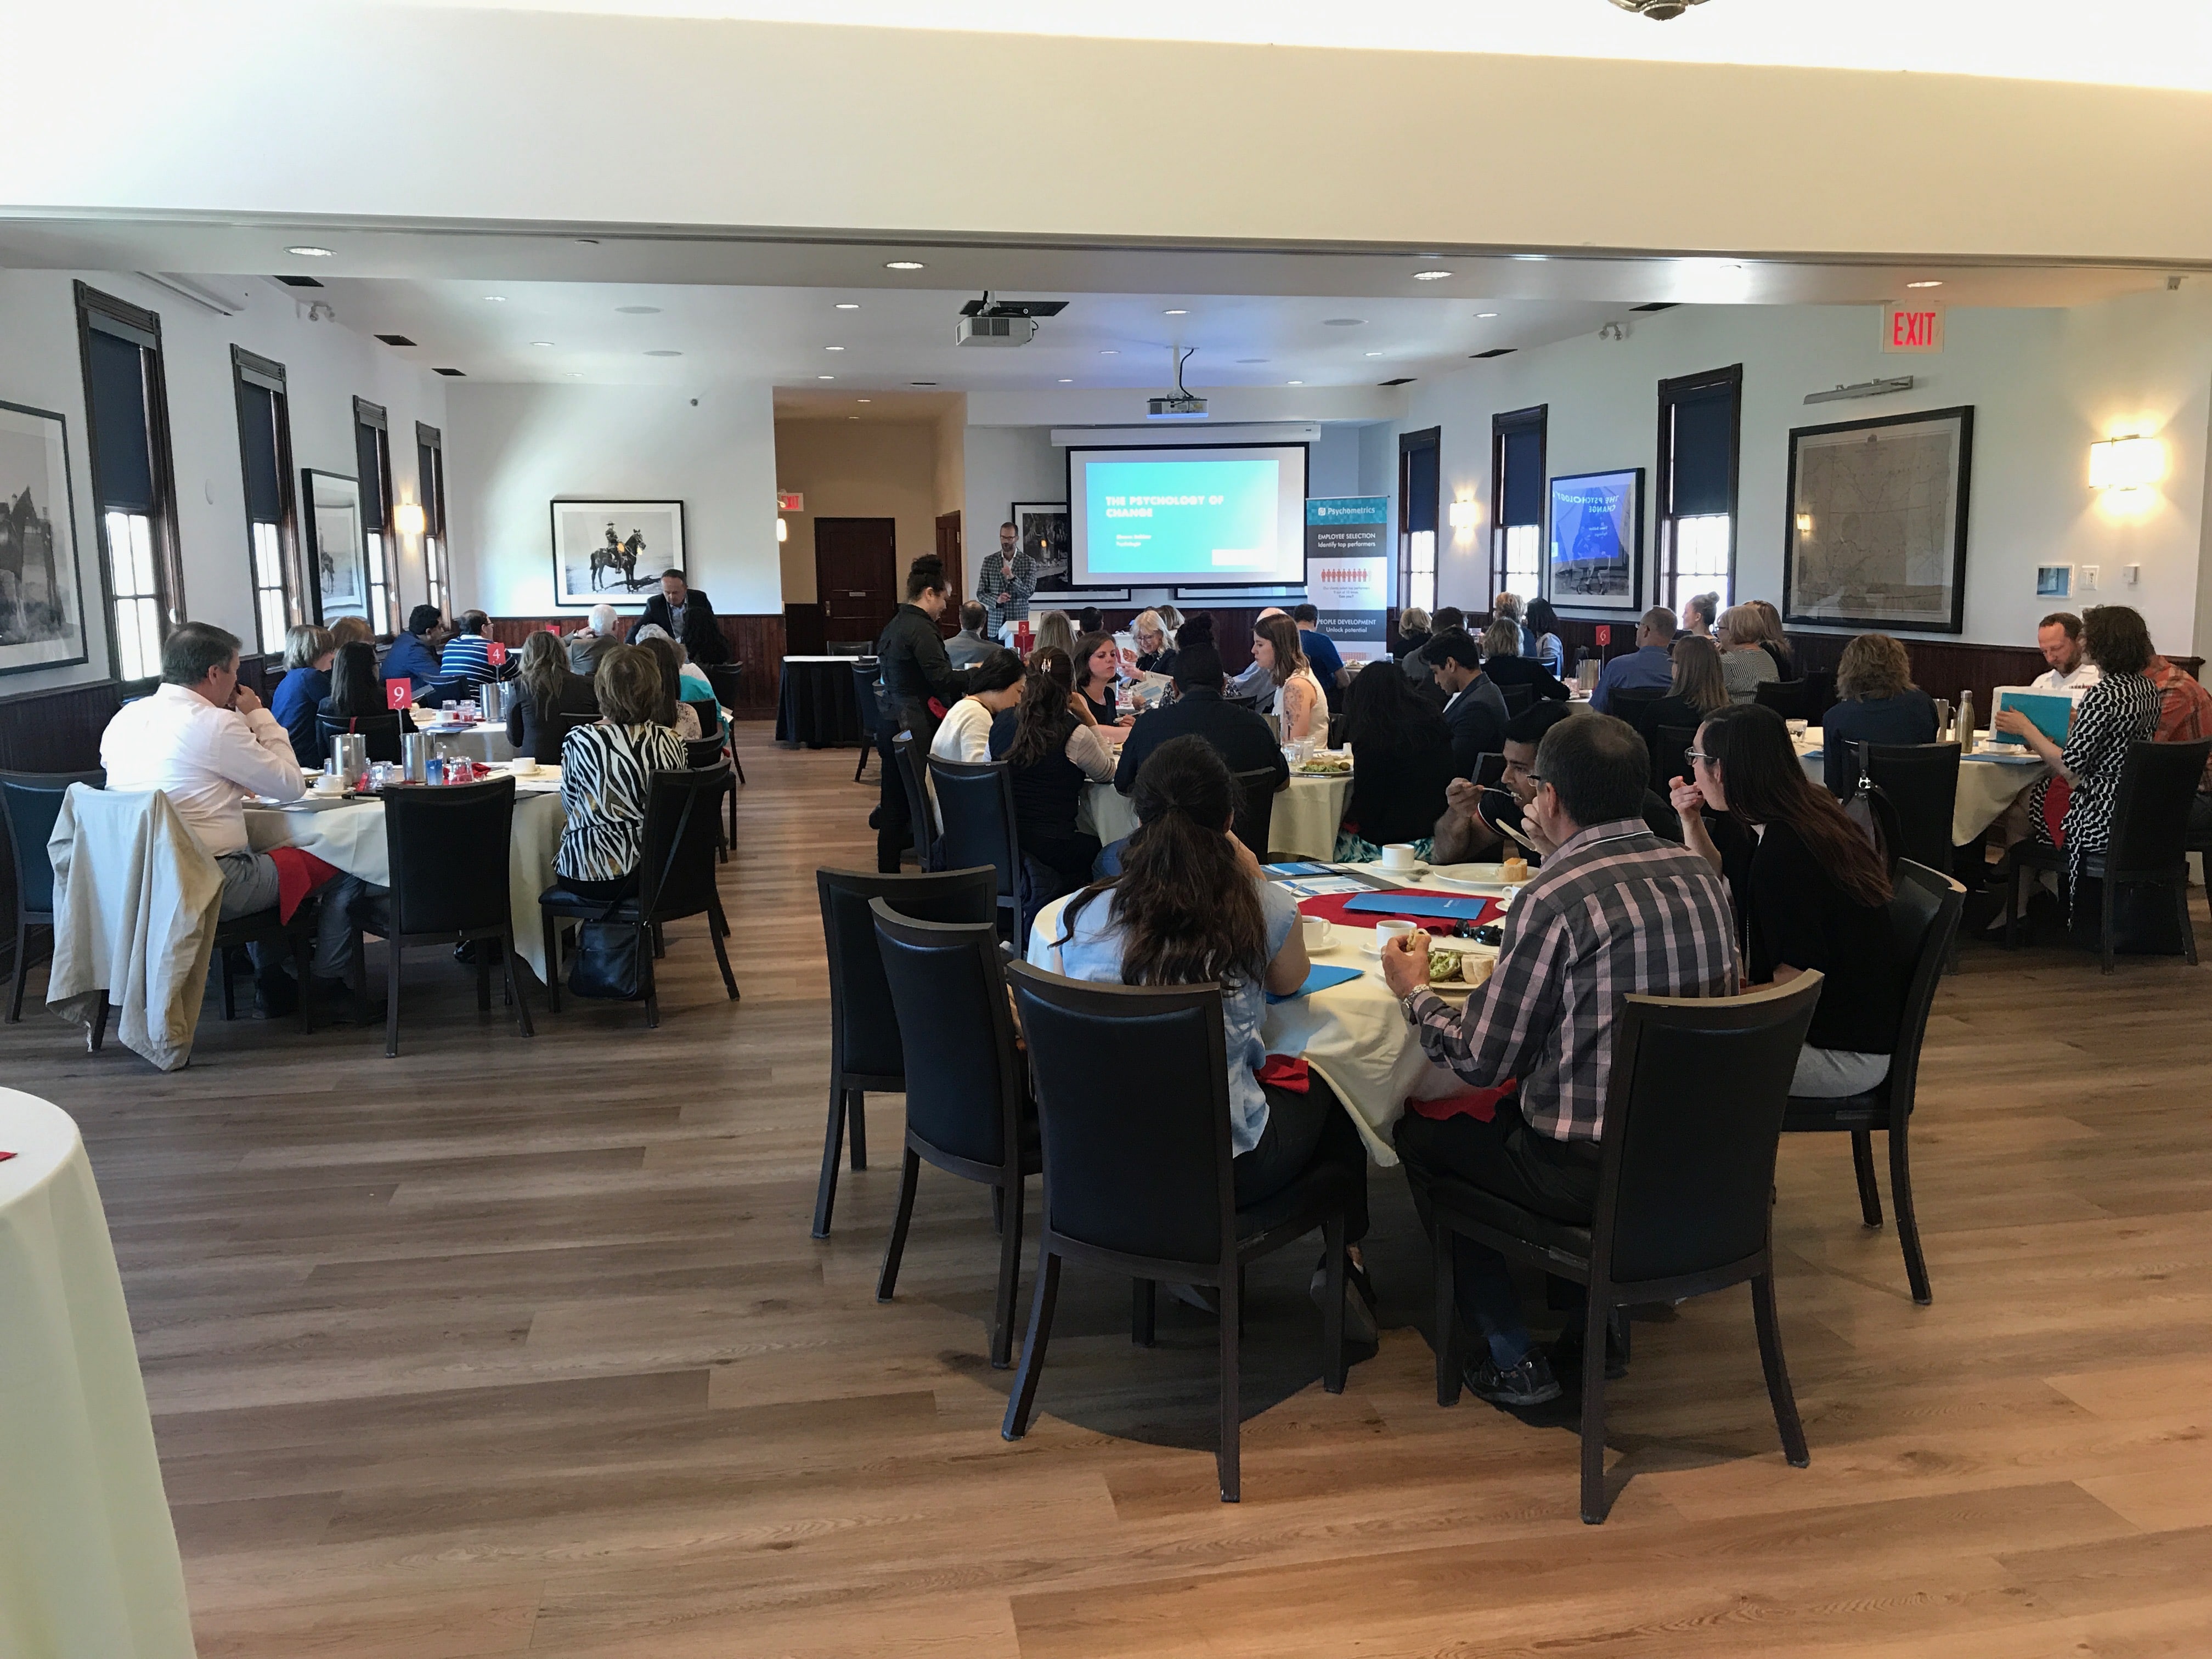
606 773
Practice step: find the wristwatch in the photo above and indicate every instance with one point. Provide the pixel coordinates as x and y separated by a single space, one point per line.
1406 1003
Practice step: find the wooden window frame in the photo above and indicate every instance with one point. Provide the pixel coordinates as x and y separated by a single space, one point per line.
1537 416
249 369
374 416
100 313
1666 581
430 484
1408 442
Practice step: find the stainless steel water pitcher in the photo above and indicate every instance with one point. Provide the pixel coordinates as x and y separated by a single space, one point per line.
349 757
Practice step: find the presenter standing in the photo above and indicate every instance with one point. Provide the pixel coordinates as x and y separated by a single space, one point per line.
1005 583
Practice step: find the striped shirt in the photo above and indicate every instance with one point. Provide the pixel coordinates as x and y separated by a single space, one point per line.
467 658
1615 911
606 773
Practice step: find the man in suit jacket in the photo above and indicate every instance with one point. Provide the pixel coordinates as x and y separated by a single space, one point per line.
1474 707
688 615
1199 710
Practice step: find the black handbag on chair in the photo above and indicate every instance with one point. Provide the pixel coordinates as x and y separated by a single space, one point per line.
606 966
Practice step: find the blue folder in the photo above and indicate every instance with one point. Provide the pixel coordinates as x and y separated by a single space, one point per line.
1320 979
1420 904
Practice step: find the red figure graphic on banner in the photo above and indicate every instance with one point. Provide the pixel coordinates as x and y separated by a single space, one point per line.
399 694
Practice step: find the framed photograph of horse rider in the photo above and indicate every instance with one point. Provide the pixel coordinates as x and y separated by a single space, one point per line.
614 552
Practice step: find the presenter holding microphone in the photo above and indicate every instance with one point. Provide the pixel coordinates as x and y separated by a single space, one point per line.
1005 583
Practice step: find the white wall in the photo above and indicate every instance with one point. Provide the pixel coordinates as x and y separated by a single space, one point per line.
2044 384
327 365
511 449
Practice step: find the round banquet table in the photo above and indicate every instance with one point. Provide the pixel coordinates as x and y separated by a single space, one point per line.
485 741
1306 815
351 835
88 1560
815 701
1352 1034
1987 784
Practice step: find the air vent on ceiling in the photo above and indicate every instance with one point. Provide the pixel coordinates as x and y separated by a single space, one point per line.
298 281
1403 380
455 374
1495 351
1658 305
395 339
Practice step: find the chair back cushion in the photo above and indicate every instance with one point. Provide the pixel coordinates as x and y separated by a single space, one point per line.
1634 703
1670 754
977 803
690 880
29 804
1922 782
955 1029
907 755
865 697
710 717
1692 1117
1255 809
863 1025
1791 698
1925 906
2150 812
380 734
448 849
703 752
1132 1087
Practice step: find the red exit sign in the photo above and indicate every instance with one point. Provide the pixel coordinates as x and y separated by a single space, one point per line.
1911 328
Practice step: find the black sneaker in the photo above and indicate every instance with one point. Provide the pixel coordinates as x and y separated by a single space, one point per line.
1529 1384
1567 1354
276 997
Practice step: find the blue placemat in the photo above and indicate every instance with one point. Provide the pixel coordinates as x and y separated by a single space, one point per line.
1320 979
1420 904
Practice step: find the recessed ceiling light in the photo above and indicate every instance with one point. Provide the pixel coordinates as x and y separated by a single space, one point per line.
851 418
1110 352
1922 284
825 377
541 342
849 305
1375 354
663 352
1484 316
864 400
496 299
1529 256
1175 311
638 311
904 264
1296 382
833 348
1342 322
1251 359
1067 383
1430 276
310 253
575 375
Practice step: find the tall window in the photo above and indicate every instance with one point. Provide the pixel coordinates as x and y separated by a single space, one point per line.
272 522
373 455
430 480
1418 488
127 398
1516 495
1700 426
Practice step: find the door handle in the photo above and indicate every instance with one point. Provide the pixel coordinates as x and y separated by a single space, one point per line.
856 593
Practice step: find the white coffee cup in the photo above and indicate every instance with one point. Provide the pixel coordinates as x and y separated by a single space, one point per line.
1392 929
1398 855
1318 932
330 783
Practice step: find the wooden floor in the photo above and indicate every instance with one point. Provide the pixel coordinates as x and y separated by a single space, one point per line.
507 1347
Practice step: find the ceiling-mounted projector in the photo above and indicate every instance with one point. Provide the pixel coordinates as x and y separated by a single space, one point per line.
994 322
1181 407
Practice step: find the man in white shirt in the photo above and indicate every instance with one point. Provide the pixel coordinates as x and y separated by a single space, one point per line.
207 743
2059 639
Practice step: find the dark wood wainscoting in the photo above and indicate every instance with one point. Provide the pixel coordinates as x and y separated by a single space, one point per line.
50 732
755 640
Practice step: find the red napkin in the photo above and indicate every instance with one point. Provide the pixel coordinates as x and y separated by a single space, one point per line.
298 874
2054 809
4 1156
1480 1104
937 709
1330 907
1286 1072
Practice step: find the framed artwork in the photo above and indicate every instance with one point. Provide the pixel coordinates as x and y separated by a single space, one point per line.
1595 561
1877 531
41 588
2054 581
613 552
334 548
1042 526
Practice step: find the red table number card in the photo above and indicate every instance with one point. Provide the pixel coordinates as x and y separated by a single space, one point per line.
399 694
495 653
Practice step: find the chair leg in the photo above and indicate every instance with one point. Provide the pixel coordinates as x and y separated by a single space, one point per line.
856 1130
738 761
1594 1324
1908 1223
1331 1318
229 992
2012 904
863 766
2181 915
646 937
483 977
833 1143
2105 941
22 971
715 928
659 942
552 961
999 1211
1448 1383
1863 1166
1022 1400
1778 1372
302 971
1228 1456
514 982
1010 1273
909 1178
1144 1309
392 953
98 1034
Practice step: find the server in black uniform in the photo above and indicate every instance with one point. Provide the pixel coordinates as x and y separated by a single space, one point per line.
914 669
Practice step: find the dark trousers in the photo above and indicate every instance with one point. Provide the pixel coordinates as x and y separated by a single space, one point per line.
893 823
1553 1178
1304 1132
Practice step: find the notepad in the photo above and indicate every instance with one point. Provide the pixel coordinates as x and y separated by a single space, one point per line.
1441 905
1320 979
1279 870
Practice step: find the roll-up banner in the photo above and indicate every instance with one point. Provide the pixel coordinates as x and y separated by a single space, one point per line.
1347 572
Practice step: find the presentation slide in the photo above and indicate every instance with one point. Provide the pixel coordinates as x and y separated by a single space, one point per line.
1230 515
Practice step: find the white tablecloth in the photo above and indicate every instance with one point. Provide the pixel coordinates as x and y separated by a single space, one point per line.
1306 815
1352 1034
351 836
1986 787
88 1562
485 741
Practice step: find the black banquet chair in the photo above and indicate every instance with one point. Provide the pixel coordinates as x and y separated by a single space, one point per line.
1791 698
967 1089
907 757
1255 809
30 802
708 755
728 680
676 880
872 712
564 723
448 849
1923 919
381 733
864 1051
1686 1190
975 803
1139 1182
2148 844
1671 755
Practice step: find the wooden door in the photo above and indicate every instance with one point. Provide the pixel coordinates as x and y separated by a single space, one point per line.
855 576
948 555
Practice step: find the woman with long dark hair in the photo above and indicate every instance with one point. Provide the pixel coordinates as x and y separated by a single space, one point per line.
356 706
1052 754
1543 630
1191 906
1401 765
1811 891
1698 689
1301 705
543 687
679 716
995 685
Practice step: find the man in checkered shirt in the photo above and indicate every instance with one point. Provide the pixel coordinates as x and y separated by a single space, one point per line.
1614 911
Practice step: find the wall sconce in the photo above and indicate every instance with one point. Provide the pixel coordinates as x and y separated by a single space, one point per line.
2128 463
782 528
1465 516
407 519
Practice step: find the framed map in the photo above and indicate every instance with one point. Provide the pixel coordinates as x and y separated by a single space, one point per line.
1877 532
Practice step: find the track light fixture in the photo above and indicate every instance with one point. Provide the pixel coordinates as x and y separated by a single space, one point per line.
1658 10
